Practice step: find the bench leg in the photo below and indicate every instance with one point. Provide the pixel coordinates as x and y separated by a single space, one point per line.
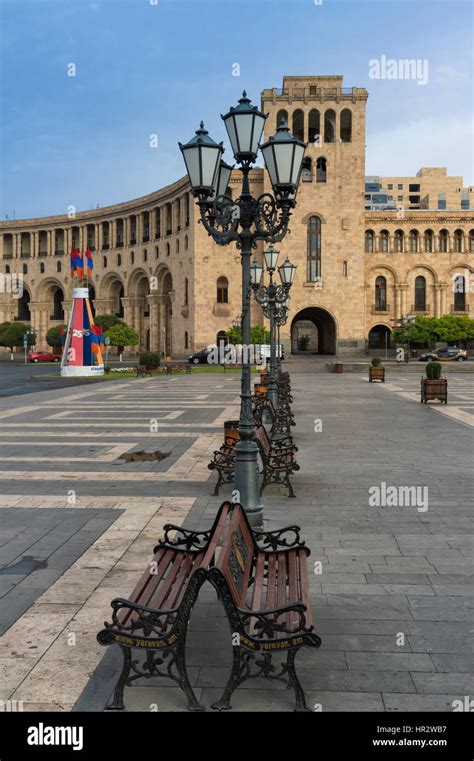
184 683
117 702
295 682
223 704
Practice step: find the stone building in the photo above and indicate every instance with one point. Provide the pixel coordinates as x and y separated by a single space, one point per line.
369 250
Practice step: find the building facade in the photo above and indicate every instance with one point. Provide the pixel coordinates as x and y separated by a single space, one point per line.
369 250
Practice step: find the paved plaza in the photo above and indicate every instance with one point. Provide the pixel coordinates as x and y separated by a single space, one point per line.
393 604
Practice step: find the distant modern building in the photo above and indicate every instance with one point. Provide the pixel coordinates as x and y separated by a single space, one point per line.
369 250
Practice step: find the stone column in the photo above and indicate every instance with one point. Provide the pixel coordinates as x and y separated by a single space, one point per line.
36 244
66 305
154 304
436 300
112 233
443 307
398 308
126 229
152 225
67 240
403 305
98 237
139 229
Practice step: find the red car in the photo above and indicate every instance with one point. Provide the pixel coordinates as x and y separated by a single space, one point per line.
43 356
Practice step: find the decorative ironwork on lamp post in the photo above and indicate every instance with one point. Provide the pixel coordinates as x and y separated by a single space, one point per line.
281 317
244 222
270 297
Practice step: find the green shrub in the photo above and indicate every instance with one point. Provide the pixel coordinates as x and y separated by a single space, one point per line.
151 360
433 370
376 361
303 343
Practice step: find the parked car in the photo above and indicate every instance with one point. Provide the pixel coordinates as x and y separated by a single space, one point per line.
200 357
446 354
43 356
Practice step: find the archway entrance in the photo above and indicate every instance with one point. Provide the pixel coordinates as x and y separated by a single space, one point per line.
313 331
380 337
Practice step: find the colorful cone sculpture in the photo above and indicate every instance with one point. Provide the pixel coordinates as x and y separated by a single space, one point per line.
83 341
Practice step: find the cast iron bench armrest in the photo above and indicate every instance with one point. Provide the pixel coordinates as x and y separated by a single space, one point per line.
190 539
149 622
275 539
268 619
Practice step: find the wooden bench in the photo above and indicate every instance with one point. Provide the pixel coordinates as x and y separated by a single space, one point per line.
278 461
262 581
179 367
223 461
142 371
155 617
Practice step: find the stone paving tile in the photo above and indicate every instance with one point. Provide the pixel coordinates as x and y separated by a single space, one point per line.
445 683
385 570
419 703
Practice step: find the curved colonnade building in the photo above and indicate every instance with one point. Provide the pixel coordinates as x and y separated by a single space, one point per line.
369 250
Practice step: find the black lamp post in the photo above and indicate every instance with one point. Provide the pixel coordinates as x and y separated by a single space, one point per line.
244 222
271 297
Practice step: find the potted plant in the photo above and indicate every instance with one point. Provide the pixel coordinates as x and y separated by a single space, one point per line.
377 370
434 386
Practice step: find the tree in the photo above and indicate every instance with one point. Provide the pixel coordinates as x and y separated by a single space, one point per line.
106 321
425 330
53 336
258 335
11 335
121 336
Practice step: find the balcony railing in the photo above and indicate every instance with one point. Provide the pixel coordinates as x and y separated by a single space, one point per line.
420 309
59 252
376 308
25 255
145 239
105 246
8 256
119 244
168 232
158 235
459 308
42 253
133 240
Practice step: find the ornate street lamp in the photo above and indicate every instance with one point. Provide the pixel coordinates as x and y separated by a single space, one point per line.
271 298
281 317
244 222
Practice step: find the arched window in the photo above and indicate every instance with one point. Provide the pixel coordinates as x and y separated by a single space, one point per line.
104 262
221 338
330 126
460 294
307 171
282 116
298 124
168 249
314 126
58 267
443 241
119 259
132 257
186 339
346 125
25 269
384 241
157 252
313 273
177 245
321 169
7 269
471 241
380 293
58 298
458 241
420 294
413 241
222 290
399 240
186 291
145 255
428 241
369 241
186 242
24 314
344 268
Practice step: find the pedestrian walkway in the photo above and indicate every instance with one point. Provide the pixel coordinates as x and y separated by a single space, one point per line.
391 588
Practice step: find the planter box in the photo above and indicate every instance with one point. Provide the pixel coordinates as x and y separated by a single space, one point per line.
377 374
434 389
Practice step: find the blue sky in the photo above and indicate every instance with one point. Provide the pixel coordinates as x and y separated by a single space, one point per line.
145 69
